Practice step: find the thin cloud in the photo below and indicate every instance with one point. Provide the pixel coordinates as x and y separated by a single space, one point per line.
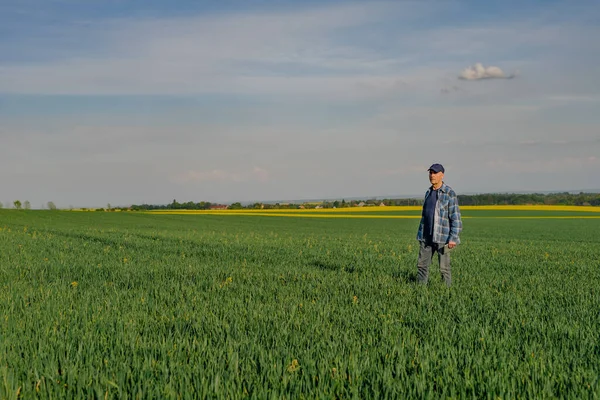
171 56
406 170
574 98
450 89
558 164
256 174
478 72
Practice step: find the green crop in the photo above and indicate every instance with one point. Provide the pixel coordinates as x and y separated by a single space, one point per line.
127 305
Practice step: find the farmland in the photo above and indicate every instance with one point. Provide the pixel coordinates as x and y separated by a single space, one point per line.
325 304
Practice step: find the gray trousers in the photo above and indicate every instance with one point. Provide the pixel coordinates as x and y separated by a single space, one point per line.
426 253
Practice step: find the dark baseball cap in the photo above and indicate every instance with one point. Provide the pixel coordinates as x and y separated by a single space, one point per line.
436 168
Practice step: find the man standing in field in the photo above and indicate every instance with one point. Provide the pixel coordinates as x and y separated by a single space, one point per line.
440 226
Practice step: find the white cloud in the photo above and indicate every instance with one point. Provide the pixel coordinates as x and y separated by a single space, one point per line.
478 71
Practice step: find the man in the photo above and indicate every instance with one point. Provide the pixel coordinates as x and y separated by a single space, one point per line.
440 226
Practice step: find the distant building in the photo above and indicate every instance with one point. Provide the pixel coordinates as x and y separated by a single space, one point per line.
218 207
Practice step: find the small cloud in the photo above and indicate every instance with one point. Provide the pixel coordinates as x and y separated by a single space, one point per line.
450 89
573 98
257 174
260 174
381 86
545 166
216 175
530 142
478 72
411 169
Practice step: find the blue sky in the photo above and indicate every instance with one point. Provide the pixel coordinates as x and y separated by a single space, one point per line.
125 102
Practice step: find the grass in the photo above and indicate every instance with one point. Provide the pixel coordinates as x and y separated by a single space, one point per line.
134 305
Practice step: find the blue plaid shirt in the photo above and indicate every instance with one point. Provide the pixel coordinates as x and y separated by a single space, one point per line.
446 222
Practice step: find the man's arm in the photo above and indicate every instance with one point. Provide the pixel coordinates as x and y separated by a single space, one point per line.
455 221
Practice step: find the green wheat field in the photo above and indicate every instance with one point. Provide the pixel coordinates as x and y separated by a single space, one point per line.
133 305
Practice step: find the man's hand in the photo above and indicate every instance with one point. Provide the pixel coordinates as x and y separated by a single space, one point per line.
451 245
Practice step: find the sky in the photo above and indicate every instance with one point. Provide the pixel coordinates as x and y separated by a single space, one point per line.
146 101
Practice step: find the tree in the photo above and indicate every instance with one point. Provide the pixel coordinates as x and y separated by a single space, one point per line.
235 206
27 205
190 205
17 204
51 205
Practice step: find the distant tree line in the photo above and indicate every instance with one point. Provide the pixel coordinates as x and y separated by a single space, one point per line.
174 205
565 198
486 199
26 205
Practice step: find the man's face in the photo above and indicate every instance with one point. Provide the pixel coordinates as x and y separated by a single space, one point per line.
435 177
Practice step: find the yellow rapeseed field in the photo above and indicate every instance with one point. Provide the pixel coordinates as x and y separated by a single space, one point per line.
368 212
533 208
